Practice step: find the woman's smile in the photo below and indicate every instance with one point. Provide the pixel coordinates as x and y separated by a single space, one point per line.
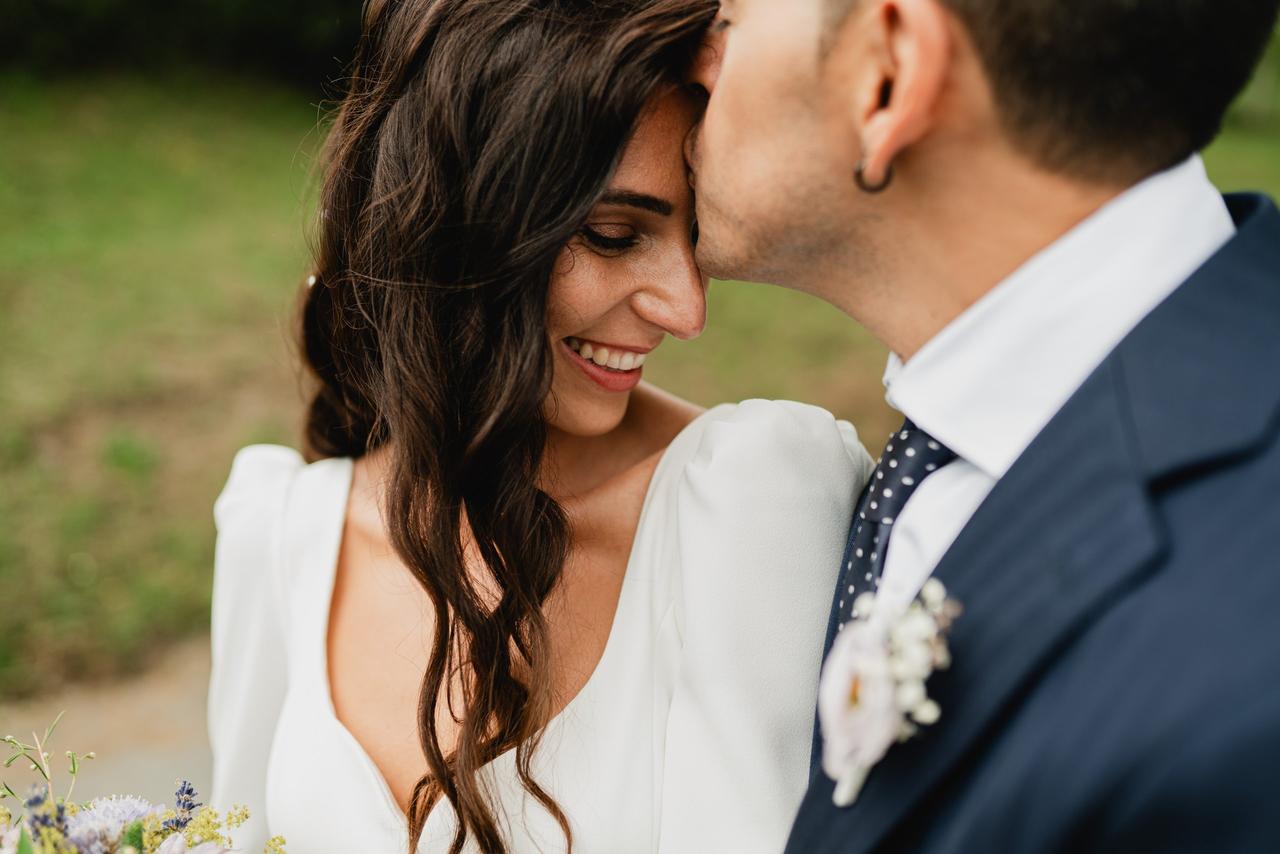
613 367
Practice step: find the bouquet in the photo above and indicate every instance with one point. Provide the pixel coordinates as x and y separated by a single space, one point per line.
117 824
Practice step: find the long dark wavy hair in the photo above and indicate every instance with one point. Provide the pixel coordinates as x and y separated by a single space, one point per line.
473 141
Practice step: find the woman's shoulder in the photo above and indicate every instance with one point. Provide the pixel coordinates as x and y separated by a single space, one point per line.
272 498
259 477
768 442
248 514
761 494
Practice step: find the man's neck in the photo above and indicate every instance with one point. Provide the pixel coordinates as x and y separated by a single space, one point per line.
945 246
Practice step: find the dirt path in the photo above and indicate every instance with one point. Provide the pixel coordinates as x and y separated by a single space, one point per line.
147 731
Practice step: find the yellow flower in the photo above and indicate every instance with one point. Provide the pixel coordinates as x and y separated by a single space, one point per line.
236 816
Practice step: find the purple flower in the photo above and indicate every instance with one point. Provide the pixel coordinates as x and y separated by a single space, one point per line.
42 813
97 828
185 803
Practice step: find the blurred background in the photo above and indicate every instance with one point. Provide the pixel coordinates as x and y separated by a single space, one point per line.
156 184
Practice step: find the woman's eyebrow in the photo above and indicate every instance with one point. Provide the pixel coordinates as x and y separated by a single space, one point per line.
638 200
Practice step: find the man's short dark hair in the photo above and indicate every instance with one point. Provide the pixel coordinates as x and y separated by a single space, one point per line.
1113 89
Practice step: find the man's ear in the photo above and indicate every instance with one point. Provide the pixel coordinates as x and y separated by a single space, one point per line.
897 93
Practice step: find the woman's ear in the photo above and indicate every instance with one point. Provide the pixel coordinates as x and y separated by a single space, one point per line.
908 47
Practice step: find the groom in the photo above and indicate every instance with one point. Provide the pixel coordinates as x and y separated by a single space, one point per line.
1086 344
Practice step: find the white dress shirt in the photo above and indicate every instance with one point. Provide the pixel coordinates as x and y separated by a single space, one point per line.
988 384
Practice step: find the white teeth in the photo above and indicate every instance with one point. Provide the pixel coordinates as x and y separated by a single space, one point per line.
615 360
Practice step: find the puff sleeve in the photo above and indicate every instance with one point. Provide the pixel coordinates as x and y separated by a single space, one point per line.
762 513
247 632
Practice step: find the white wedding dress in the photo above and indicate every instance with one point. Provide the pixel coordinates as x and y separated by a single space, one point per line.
692 734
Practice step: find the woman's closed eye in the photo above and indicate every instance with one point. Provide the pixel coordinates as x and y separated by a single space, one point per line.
609 237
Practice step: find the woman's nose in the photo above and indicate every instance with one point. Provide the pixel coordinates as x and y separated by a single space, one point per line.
675 300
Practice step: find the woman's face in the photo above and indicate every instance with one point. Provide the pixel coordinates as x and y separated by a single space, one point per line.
628 279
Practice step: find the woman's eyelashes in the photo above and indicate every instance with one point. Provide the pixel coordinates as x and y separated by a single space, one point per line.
610 238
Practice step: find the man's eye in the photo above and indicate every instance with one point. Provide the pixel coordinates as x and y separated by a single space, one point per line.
617 239
720 24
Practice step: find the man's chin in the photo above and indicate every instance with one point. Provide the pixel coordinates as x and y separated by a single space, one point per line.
715 252
724 255
711 262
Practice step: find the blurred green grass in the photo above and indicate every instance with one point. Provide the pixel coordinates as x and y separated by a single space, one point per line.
151 245
150 239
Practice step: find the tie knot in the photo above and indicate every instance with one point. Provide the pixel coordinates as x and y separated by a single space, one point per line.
910 456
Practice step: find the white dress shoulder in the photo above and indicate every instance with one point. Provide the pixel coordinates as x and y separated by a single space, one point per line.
692 734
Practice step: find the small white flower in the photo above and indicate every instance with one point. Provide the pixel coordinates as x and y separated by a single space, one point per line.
927 713
933 594
916 625
941 657
911 695
872 692
857 706
913 661
9 839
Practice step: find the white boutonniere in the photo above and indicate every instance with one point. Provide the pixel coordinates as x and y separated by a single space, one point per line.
872 692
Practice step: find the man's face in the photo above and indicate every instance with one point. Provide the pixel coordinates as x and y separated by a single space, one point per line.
772 164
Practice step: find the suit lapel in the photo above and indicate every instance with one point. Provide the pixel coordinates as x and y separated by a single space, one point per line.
1071 527
1067 528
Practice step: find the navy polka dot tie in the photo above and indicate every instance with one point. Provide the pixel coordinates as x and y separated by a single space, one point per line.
910 456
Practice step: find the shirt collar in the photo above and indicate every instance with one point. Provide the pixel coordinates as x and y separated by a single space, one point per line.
987 384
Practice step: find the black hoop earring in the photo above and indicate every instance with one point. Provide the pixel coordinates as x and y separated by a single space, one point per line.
860 179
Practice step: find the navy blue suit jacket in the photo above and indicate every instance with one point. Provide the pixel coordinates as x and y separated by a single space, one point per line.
1116 675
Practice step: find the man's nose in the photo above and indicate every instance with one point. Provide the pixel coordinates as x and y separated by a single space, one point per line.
706 63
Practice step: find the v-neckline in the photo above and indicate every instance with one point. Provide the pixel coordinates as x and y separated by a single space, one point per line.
326 689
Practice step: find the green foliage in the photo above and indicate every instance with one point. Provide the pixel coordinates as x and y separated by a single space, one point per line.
130 455
1260 104
133 836
152 237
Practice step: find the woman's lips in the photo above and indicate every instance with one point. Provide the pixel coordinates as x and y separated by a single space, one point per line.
609 379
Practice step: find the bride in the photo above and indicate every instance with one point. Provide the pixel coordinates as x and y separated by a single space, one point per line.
512 598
